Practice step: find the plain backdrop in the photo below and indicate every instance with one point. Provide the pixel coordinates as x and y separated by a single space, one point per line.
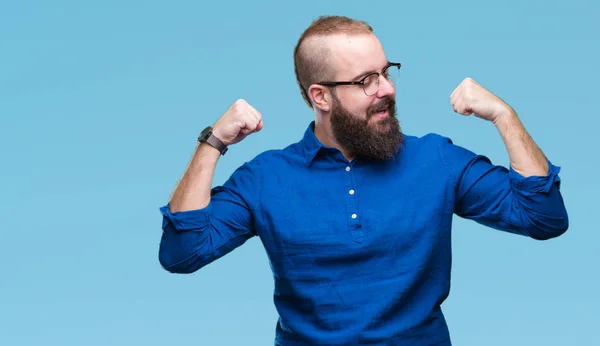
101 104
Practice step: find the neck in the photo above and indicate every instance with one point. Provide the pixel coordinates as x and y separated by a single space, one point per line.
325 135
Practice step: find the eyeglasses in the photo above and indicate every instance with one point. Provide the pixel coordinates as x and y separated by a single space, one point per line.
370 83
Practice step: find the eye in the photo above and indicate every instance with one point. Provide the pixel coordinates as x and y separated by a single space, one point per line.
370 80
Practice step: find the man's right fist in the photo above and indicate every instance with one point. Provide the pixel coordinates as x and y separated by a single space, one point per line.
239 121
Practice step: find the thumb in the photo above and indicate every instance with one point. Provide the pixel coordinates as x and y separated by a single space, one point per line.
246 131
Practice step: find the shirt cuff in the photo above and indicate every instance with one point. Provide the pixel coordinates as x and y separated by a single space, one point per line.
186 220
536 184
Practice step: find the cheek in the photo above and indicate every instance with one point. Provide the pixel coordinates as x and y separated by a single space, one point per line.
357 103
363 107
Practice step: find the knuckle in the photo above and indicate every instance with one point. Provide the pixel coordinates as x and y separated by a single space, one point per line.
238 104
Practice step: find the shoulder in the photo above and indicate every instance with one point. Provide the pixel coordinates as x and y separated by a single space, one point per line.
429 143
270 157
430 138
445 144
435 147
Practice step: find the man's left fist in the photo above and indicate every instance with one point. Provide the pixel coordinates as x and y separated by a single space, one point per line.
470 97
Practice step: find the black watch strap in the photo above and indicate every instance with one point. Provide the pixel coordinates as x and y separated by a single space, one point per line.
207 137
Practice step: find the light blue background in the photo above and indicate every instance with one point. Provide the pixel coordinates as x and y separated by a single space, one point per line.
101 104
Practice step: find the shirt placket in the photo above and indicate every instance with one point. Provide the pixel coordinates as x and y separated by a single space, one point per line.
356 230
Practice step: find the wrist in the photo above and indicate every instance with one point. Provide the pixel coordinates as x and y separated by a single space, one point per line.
208 137
505 117
208 150
218 135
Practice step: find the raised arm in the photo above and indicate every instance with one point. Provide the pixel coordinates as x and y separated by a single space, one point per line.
523 199
201 224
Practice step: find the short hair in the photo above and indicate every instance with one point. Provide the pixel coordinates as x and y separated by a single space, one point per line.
311 63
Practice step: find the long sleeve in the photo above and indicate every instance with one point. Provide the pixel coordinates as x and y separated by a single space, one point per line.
193 239
501 198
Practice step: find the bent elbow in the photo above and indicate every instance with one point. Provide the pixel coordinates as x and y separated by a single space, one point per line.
543 218
182 253
548 230
173 263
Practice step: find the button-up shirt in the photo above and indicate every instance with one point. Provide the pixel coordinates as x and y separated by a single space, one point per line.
360 251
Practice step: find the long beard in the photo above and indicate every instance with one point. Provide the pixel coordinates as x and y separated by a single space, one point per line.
380 140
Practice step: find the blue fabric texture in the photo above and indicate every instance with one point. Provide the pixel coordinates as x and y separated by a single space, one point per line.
360 251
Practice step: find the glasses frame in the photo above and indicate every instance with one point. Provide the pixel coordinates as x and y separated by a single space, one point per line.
362 81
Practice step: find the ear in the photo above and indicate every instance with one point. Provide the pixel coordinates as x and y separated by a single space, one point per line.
320 97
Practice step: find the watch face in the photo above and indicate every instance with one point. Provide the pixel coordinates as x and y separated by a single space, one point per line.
205 133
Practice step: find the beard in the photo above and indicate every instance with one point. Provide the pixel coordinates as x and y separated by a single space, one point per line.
375 141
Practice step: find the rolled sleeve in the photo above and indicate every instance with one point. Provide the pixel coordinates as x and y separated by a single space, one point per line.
503 199
540 205
187 220
195 238
535 184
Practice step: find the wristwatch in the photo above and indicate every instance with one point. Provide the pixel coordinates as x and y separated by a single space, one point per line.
206 136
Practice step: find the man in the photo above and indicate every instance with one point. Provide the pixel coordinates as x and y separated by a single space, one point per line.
356 217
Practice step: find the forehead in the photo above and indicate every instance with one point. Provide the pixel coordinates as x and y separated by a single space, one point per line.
352 55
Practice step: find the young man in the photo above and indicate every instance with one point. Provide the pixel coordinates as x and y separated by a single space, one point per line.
356 217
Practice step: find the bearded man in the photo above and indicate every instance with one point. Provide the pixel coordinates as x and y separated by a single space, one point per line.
356 216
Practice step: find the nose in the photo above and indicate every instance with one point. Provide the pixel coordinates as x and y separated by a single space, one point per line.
386 88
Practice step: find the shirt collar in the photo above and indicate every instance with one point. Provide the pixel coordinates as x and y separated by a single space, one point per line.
311 144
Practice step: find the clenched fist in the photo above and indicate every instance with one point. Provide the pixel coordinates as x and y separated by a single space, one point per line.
240 120
470 97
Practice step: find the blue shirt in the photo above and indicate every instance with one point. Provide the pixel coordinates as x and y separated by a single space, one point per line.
360 251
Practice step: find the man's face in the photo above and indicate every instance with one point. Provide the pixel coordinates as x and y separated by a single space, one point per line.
366 125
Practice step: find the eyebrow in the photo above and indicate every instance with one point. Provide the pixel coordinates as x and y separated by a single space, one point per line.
369 72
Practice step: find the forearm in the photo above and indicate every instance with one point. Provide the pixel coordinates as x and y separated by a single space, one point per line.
193 190
535 206
202 224
526 158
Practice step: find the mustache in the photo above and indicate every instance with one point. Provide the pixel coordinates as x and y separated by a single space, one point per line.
387 103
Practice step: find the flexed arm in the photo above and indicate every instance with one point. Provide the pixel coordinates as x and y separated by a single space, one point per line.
201 224
523 199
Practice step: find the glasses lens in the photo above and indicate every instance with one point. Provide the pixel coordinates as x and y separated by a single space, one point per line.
371 84
393 74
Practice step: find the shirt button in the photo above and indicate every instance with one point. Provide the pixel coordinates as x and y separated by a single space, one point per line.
354 216
351 192
348 169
